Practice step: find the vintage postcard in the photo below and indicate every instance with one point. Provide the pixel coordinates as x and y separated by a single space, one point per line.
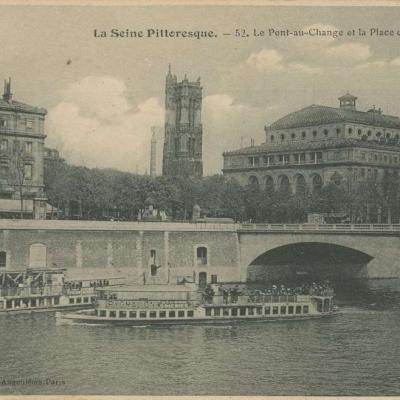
199 199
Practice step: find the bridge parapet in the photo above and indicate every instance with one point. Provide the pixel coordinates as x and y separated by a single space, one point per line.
80 225
333 228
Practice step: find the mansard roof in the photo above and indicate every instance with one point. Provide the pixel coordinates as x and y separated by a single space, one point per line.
321 115
17 106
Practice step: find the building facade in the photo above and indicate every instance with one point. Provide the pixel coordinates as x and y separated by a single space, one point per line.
21 158
183 129
316 145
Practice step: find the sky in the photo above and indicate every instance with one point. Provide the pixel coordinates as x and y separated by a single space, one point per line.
103 95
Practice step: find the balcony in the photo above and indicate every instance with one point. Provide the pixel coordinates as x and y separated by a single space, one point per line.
283 163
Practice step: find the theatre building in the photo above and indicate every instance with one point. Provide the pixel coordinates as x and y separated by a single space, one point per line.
316 145
21 158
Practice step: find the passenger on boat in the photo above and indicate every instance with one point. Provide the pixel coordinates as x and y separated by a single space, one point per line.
208 294
234 293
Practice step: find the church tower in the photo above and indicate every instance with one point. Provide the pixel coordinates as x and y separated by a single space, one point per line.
183 129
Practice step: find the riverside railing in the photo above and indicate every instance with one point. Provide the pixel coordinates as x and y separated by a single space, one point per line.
320 227
82 225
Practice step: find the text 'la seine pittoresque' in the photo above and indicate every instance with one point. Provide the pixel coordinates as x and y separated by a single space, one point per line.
312 32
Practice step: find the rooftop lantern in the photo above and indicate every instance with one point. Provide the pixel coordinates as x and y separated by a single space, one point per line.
348 101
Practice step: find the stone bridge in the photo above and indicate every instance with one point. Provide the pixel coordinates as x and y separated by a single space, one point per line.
376 246
166 251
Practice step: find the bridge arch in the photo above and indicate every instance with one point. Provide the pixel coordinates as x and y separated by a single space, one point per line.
312 260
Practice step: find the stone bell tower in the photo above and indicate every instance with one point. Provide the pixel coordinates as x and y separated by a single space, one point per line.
183 129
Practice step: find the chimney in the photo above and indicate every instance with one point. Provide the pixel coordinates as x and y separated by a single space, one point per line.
7 96
153 153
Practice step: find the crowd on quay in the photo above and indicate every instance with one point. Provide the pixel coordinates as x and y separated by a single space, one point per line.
231 294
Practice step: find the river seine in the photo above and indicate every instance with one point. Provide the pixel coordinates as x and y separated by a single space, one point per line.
353 353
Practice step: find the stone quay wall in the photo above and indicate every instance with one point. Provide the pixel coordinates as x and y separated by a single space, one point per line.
128 248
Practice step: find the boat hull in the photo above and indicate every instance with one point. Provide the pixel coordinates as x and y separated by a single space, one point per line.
45 309
93 319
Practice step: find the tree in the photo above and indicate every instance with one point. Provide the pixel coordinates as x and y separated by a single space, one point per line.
232 200
21 173
253 202
390 193
331 198
57 181
366 200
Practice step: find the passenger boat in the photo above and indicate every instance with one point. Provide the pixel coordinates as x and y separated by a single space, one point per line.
187 304
47 289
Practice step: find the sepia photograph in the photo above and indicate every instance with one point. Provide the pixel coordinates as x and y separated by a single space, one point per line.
199 199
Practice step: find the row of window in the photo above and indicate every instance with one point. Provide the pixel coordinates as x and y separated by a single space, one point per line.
250 311
210 312
146 314
298 158
303 136
29 303
5 170
380 157
316 157
27 145
325 132
378 134
27 122
81 300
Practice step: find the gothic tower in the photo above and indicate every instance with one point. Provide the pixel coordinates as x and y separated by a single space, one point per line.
183 129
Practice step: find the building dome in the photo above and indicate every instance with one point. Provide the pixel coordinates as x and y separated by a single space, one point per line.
316 115
309 116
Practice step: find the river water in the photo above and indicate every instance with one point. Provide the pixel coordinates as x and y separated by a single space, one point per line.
353 353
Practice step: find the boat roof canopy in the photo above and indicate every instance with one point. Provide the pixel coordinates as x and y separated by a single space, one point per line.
29 269
151 288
